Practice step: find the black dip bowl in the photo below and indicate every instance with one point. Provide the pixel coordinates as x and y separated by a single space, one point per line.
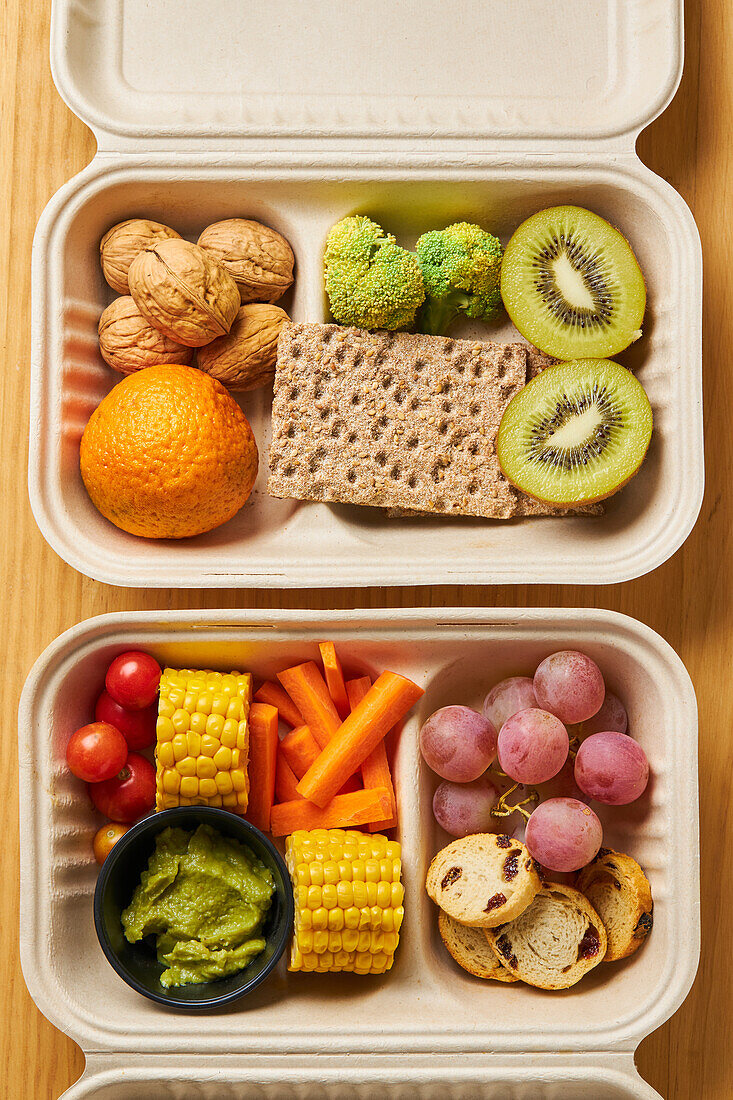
136 963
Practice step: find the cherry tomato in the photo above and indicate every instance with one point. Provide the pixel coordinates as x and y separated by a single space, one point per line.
130 794
96 752
136 726
133 679
106 838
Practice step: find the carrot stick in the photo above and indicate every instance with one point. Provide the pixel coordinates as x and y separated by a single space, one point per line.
334 677
300 749
342 812
382 707
262 759
375 769
307 688
286 782
273 694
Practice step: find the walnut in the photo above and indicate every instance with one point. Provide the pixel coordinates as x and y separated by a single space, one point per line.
259 259
128 343
245 359
122 243
183 291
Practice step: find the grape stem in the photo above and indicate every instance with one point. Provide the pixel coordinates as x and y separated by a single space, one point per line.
506 809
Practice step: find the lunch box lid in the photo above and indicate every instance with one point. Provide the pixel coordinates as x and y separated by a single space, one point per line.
196 75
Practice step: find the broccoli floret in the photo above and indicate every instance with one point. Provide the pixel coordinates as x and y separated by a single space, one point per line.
461 266
371 282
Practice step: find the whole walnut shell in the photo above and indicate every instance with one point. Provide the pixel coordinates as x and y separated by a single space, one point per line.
123 242
259 259
182 290
245 358
128 343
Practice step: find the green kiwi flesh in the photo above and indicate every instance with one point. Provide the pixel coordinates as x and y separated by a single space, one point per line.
576 433
571 284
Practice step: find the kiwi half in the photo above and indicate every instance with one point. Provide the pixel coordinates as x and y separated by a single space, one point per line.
576 433
571 284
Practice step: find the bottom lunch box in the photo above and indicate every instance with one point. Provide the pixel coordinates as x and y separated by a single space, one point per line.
426 1027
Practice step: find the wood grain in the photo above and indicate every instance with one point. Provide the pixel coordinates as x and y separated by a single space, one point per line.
687 600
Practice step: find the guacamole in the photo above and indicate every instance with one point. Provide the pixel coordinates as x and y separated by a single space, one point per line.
205 897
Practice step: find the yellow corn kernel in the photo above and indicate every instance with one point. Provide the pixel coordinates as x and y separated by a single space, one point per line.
359 894
215 726
166 757
349 938
164 728
180 746
206 768
209 745
171 781
330 896
223 781
223 759
207 788
189 786
181 720
238 779
320 918
193 740
198 722
336 919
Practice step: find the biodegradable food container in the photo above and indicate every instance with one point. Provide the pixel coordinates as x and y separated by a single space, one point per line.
418 114
426 1028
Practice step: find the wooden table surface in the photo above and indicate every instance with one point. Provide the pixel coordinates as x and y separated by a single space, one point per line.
687 600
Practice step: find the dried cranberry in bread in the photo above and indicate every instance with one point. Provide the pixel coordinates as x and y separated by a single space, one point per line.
556 940
470 949
483 880
619 891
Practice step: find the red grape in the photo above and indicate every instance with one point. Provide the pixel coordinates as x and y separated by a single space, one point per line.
130 794
133 679
507 697
611 716
570 686
533 746
612 768
136 726
96 752
563 834
458 743
464 808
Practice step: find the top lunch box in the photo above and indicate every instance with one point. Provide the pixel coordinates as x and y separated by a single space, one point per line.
417 114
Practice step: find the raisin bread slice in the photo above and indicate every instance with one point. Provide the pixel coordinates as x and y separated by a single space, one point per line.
483 880
469 948
619 891
554 942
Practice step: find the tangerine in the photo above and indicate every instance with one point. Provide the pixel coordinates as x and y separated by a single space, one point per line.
168 454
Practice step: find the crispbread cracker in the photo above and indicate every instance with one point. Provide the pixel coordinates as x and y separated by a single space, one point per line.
537 361
392 420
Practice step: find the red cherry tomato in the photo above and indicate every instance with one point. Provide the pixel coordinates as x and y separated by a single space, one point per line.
136 726
130 794
96 752
106 838
133 679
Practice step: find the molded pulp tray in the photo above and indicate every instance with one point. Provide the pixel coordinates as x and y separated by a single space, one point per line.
177 148
407 1027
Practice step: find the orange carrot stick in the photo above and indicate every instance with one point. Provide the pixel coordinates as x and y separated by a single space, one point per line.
334 677
286 781
300 749
307 688
386 702
342 812
375 769
262 760
273 694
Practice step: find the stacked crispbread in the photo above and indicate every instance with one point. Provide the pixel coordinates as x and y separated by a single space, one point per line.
397 421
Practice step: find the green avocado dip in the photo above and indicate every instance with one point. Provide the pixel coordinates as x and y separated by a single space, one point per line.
205 897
